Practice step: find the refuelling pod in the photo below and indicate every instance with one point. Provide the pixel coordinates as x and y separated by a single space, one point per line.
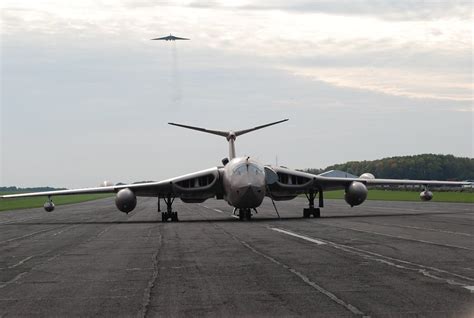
367 175
356 193
125 200
426 195
106 183
49 206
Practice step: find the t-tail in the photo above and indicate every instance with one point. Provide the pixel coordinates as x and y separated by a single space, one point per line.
229 135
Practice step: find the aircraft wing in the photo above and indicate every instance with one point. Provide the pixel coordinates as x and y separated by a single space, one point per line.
291 183
178 38
195 186
162 38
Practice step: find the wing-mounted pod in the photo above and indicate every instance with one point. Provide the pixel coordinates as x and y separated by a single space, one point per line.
49 205
355 193
426 195
126 200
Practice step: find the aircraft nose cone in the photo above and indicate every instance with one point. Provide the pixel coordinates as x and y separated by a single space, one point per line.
251 196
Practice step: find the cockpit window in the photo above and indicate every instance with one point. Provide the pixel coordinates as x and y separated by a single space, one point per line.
242 169
255 170
250 168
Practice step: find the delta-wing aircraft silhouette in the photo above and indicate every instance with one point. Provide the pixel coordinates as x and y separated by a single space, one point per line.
170 38
243 182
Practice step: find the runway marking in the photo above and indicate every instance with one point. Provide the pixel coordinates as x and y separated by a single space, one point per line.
470 288
308 281
218 211
391 261
401 237
299 236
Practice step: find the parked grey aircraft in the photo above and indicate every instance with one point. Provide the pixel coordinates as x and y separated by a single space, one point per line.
243 182
170 38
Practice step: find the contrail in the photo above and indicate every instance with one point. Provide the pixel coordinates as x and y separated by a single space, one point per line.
175 78
176 95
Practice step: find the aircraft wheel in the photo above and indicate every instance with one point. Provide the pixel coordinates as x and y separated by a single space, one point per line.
306 213
174 216
316 213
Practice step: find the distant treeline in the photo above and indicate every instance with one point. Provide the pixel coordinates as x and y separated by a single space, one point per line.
422 167
37 189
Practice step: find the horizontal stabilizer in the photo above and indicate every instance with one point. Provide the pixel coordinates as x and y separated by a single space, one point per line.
209 131
229 135
241 132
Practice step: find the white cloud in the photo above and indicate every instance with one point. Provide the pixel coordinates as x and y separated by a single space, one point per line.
393 81
280 37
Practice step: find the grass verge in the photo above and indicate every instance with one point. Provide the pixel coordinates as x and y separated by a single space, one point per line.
37 202
383 195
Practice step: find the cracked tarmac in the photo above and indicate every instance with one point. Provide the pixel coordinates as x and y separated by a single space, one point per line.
381 259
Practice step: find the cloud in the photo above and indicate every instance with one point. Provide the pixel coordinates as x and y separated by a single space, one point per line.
420 85
389 9
421 59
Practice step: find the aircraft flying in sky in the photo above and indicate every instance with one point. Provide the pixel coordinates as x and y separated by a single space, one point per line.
170 38
243 182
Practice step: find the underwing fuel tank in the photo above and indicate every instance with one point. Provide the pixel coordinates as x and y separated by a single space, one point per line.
426 195
125 200
356 193
49 206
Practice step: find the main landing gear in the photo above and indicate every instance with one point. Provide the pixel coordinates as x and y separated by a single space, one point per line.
169 214
311 210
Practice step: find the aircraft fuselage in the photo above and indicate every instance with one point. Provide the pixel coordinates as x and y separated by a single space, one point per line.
244 183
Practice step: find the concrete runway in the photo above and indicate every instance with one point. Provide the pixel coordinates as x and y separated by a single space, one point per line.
381 259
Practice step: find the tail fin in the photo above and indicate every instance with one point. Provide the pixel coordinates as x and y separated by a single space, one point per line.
229 135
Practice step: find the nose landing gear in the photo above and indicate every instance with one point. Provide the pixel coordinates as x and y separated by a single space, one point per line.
245 214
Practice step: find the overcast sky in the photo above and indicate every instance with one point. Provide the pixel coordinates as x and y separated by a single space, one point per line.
86 96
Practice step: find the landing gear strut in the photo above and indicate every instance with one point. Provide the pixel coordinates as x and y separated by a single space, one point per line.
311 210
169 214
245 214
